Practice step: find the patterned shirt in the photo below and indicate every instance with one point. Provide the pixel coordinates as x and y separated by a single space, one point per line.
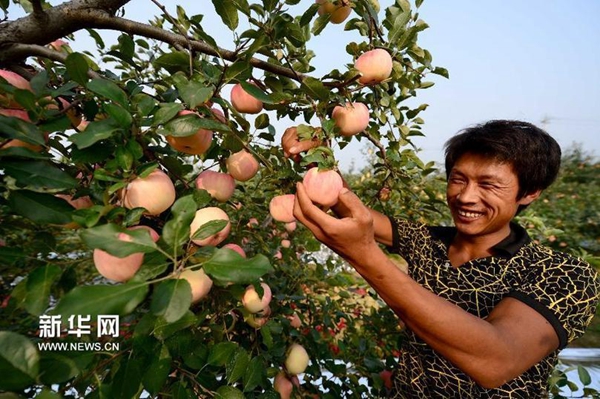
560 287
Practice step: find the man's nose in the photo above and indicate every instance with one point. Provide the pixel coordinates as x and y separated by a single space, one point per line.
468 193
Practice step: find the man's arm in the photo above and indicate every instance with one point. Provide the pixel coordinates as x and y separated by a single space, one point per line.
492 351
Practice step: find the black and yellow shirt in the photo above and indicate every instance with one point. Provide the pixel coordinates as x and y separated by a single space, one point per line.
560 287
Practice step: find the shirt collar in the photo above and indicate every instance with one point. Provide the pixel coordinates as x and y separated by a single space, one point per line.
508 247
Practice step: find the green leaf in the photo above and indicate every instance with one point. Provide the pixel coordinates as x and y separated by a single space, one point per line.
208 229
38 285
177 230
120 115
194 93
227 392
229 266
56 368
109 90
166 112
95 131
189 124
19 361
584 375
106 237
239 70
39 174
315 88
171 299
257 93
157 372
77 67
16 128
236 366
97 300
254 374
40 207
126 382
221 353
227 12
173 62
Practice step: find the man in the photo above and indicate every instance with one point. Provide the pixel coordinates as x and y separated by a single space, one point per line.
486 309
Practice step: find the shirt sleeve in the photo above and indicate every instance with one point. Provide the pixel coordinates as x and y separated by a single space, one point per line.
404 236
564 290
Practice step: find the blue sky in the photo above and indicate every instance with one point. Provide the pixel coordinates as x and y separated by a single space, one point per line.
534 60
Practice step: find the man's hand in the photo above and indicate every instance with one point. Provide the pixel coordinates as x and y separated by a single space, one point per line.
352 236
293 146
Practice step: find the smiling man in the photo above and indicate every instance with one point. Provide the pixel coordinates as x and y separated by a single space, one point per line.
487 310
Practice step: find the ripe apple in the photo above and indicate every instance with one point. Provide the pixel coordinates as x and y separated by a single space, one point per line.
295 321
219 114
236 248
121 269
194 144
244 102
252 302
219 185
374 65
78 203
71 112
338 12
283 385
323 187
257 320
242 165
59 45
281 208
15 80
290 227
154 192
351 118
386 376
199 281
297 359
204 216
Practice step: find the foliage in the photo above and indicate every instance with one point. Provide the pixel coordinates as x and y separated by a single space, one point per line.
130 92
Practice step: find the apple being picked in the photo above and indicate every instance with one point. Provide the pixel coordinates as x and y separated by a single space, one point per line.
375 66
351 118
323 186
338 10
18 82
281 208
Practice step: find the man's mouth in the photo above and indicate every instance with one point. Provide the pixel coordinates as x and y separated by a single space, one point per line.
469 214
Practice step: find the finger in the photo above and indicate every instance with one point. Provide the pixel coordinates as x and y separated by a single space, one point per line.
353 207
311 213
303 145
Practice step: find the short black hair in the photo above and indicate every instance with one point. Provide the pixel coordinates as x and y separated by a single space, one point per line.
533 154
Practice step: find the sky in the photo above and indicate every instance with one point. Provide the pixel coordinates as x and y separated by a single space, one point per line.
534 60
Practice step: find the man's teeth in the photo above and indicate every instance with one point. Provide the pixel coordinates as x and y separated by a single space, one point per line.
469 214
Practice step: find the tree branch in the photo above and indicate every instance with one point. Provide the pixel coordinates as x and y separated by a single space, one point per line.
75 15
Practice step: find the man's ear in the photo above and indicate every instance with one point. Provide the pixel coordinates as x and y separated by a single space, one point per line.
529 198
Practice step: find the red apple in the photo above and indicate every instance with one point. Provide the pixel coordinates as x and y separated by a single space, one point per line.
351 118
323 187
236 248
244 102
281 208
219 185
194 144
15 80
374 65
199 282
283 385
338 12
121 269
251 300
154 192
386 376
204 216
242 165
290 227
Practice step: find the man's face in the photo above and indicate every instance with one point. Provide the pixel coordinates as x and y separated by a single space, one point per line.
482 196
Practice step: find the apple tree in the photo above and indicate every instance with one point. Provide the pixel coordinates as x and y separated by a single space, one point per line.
137 178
